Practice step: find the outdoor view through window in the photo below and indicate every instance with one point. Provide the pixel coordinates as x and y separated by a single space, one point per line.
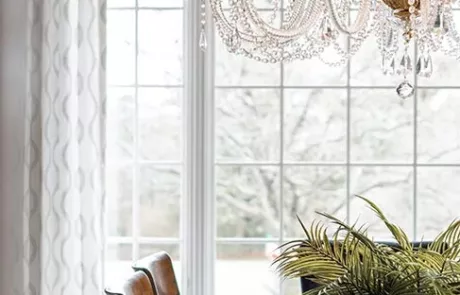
289 139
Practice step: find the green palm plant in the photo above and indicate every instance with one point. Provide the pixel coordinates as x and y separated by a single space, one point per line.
350 262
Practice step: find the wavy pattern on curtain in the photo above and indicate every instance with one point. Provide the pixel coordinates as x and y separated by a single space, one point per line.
64 148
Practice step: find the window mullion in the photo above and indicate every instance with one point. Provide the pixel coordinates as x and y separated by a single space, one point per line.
136 196
415 151
198 201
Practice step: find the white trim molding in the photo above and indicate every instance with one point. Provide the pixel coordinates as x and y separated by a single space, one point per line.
198 230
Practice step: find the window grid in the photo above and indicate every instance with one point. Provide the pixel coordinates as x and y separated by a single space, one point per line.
414 143
344 164
348 140
287 87
281 233
349 163
136 240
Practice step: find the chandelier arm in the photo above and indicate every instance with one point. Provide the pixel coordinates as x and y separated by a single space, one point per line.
360 22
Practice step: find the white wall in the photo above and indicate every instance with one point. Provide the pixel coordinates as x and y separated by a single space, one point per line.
12 94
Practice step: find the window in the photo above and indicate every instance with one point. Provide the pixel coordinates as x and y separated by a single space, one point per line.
284 139
144 154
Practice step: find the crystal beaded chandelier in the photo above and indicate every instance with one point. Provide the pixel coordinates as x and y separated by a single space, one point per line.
308 28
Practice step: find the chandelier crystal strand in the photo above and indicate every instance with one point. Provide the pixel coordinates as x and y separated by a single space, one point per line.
360 22
405 89
387 38
453 37
203 42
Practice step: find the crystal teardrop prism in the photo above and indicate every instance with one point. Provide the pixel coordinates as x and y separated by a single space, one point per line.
428 66
326 31
405 90
390 39
203 43
393 66
385 68
425 66
420 67
406 64
234 41
440 26
388 66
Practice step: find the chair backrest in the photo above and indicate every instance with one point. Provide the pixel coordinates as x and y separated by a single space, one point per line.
160 270
137 284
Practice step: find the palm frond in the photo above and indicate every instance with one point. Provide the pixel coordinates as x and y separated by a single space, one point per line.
398 234
448 241
348 262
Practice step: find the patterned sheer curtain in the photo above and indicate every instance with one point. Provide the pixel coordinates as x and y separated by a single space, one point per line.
62 231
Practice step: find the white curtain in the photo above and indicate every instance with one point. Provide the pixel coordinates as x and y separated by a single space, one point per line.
62 230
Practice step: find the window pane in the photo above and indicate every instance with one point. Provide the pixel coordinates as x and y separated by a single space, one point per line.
445 71
438 199
445 68
121 44
120 3
238 70
117 264
389 188
311 189
247 125
119 252
247 201
313 72
245 270
119 190
120 123
159 201
315 125
160 3
160 124
366 67
438 130
381 127
160 47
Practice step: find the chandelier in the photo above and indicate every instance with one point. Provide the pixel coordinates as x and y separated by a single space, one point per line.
309 28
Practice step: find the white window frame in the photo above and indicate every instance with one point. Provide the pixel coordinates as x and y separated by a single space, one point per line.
198 233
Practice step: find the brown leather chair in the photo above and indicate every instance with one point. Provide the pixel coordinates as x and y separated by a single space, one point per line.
137 284
160 271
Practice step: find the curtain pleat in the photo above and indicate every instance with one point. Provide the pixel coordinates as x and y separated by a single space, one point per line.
63 206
